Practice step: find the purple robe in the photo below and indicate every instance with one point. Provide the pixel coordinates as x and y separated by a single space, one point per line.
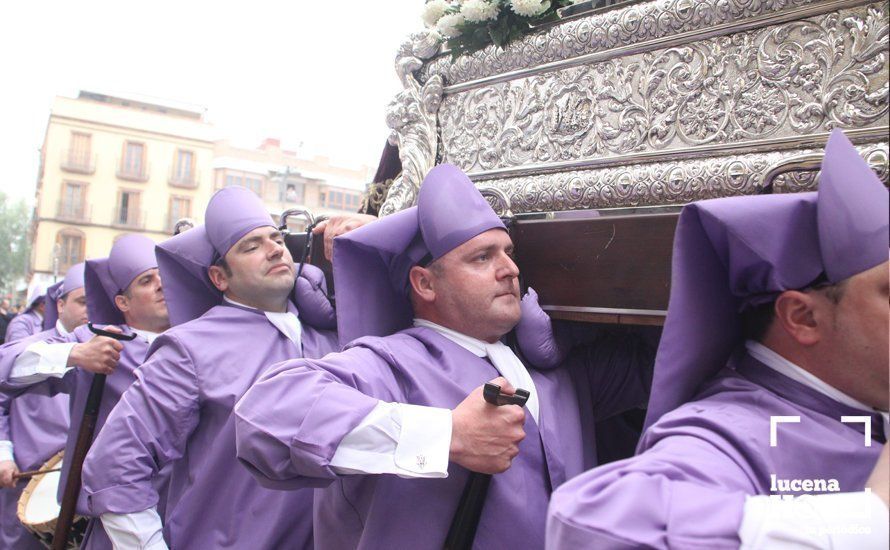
290 423
179 414
23 325
687 489
37 425
76 383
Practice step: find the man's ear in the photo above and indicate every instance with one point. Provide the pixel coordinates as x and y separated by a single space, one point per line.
799 315
218 278
421 281
122 303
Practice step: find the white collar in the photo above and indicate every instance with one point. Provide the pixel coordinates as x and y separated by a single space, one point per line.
286 322
501 356
146 335
785 367
60 328
473 345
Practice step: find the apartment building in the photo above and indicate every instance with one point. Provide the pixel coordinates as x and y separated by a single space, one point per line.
112 165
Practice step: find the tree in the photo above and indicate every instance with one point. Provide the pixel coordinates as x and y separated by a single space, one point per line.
14 246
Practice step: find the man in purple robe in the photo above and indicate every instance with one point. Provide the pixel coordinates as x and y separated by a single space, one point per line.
30 321
33 427
429 292
771 382
123 292
235 310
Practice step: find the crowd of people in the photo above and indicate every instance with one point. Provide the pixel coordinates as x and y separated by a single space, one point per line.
434 405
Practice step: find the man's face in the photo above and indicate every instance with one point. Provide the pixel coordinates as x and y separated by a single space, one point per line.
261 269
477 287
858 335
143 302
4 305
72 309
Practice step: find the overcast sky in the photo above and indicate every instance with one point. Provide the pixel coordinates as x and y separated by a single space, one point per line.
320 73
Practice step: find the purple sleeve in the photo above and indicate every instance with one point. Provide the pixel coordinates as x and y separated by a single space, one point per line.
18 328
685 492
289 424
11 351
148 428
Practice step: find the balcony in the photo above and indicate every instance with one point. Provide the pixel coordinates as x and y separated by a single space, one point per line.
77 163
72 212
187 181
128 218
132 173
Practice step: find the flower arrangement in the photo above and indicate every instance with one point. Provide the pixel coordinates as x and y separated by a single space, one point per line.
470 25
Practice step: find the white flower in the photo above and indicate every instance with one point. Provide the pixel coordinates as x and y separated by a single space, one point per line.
477 11
529 8
447 25
433 11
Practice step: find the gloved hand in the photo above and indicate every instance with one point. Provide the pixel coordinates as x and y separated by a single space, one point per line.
310 295
535 335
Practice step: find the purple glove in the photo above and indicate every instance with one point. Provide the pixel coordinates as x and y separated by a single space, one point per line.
310 295
535 335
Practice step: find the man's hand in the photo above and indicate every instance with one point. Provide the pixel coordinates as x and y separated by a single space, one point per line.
338 225
879 480
99 355
485 438
7 470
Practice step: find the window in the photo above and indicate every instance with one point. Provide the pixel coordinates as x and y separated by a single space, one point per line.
70 247
180 207
254 184
78 157
183 168
127 212
72 204
133 164
292 192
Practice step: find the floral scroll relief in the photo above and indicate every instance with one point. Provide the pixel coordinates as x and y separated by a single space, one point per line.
788 80
632 24
412 118
664 183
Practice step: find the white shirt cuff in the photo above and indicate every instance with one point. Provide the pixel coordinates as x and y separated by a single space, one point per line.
40 361
6 451
396 438
139 530
830 521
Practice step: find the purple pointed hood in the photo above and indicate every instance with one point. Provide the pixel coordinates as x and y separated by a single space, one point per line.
72 281
739 252
371 264
184 259
105 278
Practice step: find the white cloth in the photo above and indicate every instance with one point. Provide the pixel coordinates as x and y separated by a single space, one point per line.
139 530
415 441
6 447
501 356
855 521
830 521
41 360
785 367
60 328
287 323
6 451
397 438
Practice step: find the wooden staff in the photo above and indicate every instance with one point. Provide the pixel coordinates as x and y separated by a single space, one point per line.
32 473
469 511
81 447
